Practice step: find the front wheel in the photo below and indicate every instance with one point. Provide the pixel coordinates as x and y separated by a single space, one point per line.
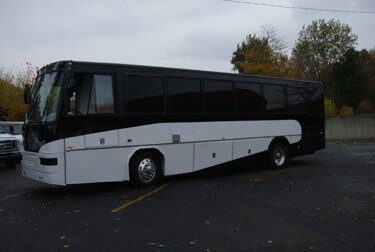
279 155
145 169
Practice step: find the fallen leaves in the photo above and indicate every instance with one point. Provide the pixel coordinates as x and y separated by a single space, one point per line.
153 244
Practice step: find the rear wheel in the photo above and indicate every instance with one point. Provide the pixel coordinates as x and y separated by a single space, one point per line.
279 155
145 169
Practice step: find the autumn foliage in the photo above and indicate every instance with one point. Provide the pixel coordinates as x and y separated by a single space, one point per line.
324 51
12 107
12 82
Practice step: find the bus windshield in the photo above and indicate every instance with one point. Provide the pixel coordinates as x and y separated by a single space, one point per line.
45 98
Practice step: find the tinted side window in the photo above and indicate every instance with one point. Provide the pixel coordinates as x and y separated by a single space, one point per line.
297 99
144 94
101 96
249 97
219 96
274 98
316 104
184 95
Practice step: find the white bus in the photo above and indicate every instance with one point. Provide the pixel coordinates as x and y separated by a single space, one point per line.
96 122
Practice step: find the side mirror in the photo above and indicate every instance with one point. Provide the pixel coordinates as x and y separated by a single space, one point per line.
27 94
70 87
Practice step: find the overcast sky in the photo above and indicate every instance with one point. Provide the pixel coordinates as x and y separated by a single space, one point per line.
193 34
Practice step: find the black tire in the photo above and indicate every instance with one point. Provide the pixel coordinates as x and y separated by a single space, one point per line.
278 156
145 169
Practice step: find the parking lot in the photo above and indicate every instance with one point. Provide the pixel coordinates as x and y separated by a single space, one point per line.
321 202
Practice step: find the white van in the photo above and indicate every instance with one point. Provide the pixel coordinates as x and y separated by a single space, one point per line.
13 128
9 148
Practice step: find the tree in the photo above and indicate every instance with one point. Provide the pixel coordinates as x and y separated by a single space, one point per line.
12 107
350 80
368 64
319 45
12 84
277 44
19 76
3 113
261 55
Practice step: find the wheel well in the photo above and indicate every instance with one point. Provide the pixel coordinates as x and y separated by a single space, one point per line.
156 152
278 140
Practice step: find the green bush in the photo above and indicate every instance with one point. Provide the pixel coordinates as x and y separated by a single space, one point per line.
346 110
365 107
330 108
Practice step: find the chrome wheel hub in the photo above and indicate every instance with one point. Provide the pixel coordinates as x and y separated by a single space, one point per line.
279 156
147 170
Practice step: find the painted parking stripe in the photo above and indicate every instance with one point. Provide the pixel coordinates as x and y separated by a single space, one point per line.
118 209
14 195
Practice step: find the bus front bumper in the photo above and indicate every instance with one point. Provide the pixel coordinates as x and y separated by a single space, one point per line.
47 168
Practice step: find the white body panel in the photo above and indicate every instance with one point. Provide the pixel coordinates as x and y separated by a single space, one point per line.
32 168
178 156
102 139
96 165
186 147
208 154
243 148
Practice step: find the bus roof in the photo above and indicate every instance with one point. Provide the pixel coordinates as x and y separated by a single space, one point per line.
60 65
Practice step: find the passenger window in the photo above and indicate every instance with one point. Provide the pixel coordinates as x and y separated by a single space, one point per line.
275 98
249 98
297 99
219 96
184 95
101 97
144 94
315 99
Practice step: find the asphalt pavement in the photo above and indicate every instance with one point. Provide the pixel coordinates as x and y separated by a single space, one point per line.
321 202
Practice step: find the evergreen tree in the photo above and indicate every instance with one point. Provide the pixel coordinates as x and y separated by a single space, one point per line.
350 80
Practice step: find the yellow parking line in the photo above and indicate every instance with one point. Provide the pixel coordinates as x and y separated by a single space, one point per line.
14 195
118 209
